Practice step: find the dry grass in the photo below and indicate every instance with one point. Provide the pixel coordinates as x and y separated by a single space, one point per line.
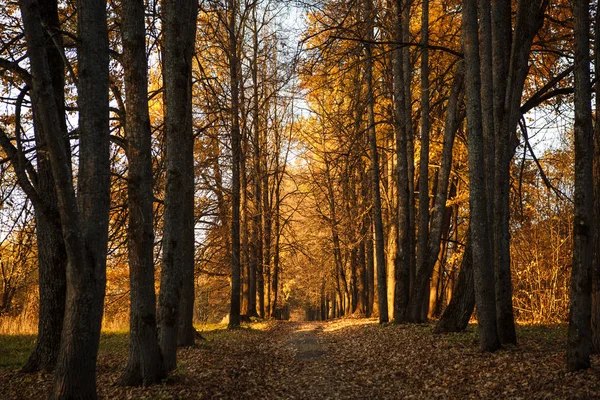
19 325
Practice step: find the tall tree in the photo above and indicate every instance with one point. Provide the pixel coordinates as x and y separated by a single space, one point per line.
579 336
236 155
433 242
40 189
84 216
596 178
145 365
377 217
402 263
177 273
419 290
510 55
482 260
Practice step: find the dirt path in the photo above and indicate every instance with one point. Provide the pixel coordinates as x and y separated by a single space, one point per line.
342 359
305 342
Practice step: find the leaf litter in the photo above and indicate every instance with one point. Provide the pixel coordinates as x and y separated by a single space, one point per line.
343 359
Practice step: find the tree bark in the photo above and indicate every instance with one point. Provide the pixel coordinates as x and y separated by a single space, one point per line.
510 68
178 237
482 260
456 316
596 177
451 126
145 365
402 262
84 217
52 258
579 335
377 217
236 154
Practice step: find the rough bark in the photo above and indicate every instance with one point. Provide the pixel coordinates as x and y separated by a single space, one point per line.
451 126
403 254
482 260
236 154
84 217
579 335
370 267
456 316
179 29
377 217
596 177
145 364
52 258
511 65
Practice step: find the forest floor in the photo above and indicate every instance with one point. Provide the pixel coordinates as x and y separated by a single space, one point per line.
339 359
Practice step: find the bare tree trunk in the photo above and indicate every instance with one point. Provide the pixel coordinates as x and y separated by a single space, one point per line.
451 126
596 177
510 68
257 232
145 365
579 337
178 237
410 145
84 217
52 258
402 263
377 217
456 316
277 238
482 260
420 291
236 150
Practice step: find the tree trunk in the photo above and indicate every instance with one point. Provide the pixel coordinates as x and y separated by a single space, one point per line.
178 237
52 258
456 316
596 177
414 313
482 260
236 154
579 336
402 264
257 232
511 65
370 268
451 126
84 218
377 217
145 365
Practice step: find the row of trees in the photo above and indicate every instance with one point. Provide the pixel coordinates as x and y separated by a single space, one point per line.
402 170
372 79
150 161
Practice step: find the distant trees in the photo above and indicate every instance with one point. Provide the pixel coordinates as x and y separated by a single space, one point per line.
252 202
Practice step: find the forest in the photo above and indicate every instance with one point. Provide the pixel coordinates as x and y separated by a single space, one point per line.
299 199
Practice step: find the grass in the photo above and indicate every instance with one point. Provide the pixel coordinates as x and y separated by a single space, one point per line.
14 350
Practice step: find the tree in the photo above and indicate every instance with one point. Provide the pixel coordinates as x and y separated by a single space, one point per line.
430 256
579 336
175 305
236 155
377 218
84 216
482 260
52 260
145 365
402 263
